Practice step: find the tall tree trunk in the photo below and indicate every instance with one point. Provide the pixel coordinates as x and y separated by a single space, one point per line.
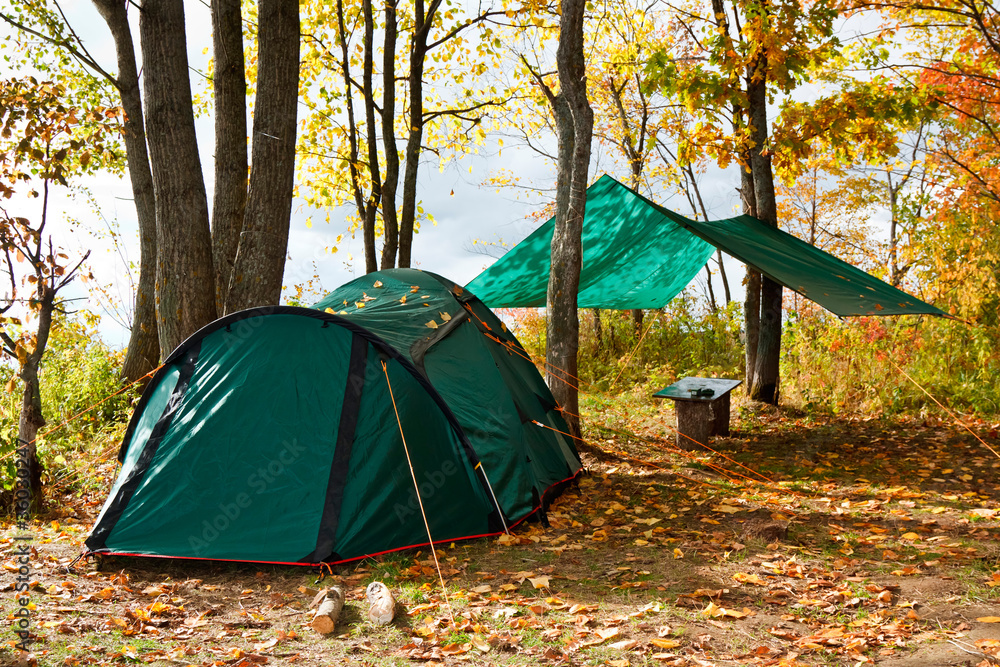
229 86
143 352
751 303
260 259
185 281
418 51
764 385
371 206
389 219
575 124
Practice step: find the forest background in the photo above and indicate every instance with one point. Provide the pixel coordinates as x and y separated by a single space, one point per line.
882 135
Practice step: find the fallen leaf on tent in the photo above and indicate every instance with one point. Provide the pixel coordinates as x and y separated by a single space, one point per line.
989 619
378 283
539 582
664 643
359 304
402 299
445 317
331 311
432 324
414 288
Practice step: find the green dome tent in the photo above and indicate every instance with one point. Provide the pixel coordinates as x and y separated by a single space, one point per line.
274 435
481 372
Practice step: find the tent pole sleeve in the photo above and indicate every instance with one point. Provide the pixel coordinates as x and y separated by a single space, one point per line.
349 412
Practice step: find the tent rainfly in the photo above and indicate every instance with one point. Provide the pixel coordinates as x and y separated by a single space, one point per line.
271 435
637 254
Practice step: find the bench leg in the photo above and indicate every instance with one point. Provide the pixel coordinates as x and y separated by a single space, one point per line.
720 411
694 423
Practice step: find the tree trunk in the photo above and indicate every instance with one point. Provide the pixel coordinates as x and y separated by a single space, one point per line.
229 86
722 274
31 417
185 290
371 206
31 420
751 304
637 317
598 330
418 51
260 259
764 385
352 126
575 124
143 352
714 307
389 221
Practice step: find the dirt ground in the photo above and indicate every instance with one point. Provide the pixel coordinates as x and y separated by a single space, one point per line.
798 541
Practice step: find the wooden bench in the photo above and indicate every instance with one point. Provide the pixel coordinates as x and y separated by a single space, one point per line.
702 408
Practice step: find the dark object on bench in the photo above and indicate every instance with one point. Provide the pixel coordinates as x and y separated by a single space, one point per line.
702 408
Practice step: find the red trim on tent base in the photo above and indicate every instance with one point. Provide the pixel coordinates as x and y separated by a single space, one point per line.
527 516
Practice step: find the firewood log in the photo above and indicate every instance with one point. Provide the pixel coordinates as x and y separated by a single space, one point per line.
325 619
383 605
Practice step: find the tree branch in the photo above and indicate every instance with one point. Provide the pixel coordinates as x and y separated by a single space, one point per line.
83 58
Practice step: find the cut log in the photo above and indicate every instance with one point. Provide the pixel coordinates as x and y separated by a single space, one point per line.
325 619
383 605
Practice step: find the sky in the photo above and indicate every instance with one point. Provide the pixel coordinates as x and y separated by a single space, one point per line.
466 212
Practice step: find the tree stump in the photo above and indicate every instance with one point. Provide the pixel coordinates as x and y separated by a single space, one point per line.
696 422
383 605
325 619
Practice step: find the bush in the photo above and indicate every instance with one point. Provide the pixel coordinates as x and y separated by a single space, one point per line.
855 364
77 372
682 339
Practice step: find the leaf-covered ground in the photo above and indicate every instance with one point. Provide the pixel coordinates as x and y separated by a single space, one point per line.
871 542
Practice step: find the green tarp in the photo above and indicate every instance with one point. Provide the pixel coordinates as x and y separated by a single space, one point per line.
637 254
